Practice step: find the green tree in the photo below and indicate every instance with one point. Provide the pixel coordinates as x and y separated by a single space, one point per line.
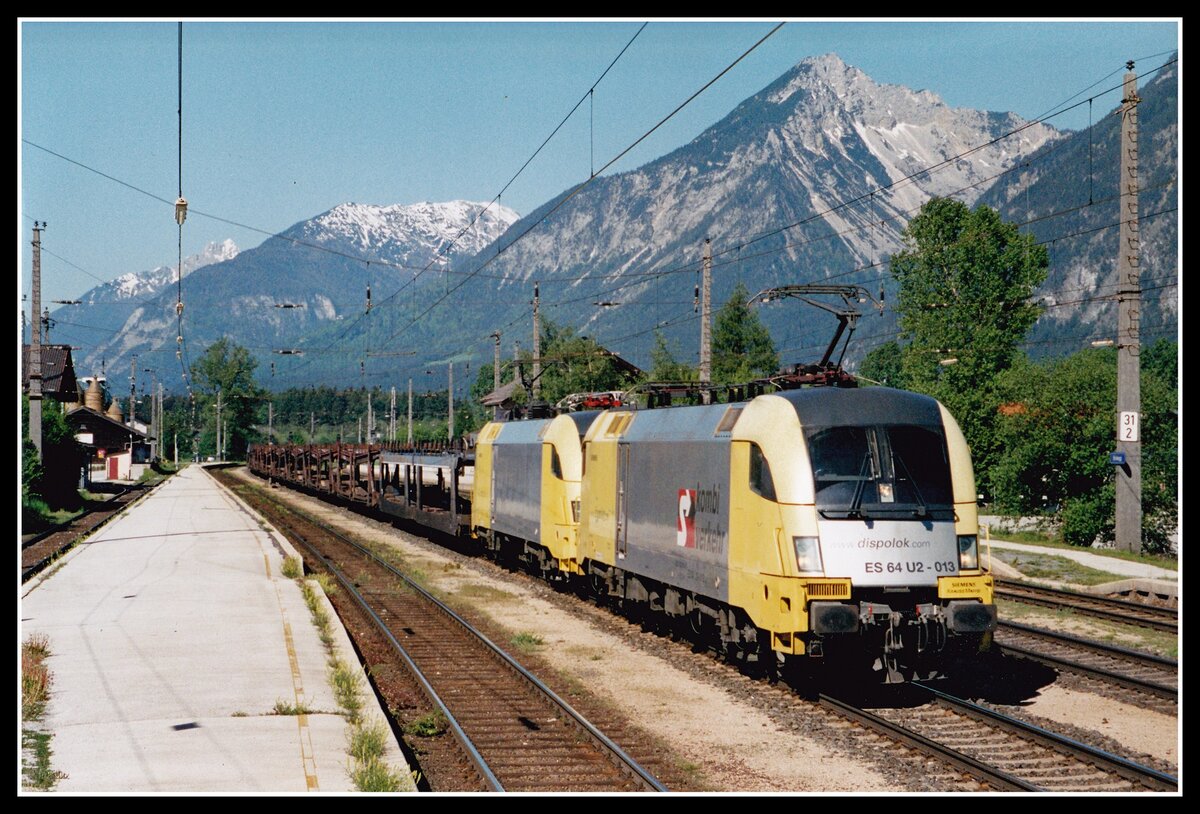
741 345
966 280
664 367
227 367
885 365
573 364
1056 427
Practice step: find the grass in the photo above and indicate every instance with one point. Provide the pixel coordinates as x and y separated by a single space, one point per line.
1131 636
487 593
1050 567
327 582
35 692
35 676
39 775
1053 540
283 707
427 726
375 775
527 642
293 568
346 684
368 742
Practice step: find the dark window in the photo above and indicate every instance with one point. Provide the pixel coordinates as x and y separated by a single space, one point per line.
880 470
760 474
555 463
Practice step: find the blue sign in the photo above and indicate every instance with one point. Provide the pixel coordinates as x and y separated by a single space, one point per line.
1116 458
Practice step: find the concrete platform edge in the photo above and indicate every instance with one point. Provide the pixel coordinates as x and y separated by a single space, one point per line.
343 647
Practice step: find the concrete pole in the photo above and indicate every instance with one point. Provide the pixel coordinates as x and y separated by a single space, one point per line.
35 345
392 417
410 411
450 429
132 391
706 322
537 344
496 372
270 423
1129 306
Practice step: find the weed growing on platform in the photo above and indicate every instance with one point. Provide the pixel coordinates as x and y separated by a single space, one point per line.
346 684
368 743
35 692
35 676
293 568
327 582
375 775
39 775
283 707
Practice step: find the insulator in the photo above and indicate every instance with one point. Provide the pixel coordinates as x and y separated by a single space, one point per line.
179 308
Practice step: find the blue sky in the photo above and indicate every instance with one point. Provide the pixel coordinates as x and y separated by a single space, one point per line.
285 120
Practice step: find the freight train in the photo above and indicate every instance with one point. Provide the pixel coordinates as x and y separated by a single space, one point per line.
832 526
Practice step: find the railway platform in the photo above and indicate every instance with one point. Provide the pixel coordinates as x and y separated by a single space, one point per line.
183 661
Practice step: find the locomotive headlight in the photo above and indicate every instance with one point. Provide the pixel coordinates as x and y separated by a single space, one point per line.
968 551
808 554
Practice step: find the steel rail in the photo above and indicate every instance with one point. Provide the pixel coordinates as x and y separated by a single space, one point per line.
1128 769
1002 781
468 746
623 761
1100 648
1102 607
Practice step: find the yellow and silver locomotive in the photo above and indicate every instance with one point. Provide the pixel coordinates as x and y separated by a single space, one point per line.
826 522
822 526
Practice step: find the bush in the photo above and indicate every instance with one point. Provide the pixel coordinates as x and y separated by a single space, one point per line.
1088 517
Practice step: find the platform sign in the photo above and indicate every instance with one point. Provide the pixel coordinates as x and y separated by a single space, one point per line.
1116 458
1127 429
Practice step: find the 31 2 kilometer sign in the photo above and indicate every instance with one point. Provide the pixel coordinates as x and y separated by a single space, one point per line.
1127 427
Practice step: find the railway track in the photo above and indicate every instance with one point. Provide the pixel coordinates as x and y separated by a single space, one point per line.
515 732
1044 761
1005 752
1153 676
1116 610
46 547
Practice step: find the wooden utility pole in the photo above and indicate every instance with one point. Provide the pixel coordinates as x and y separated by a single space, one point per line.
35 344
705 322
1129 306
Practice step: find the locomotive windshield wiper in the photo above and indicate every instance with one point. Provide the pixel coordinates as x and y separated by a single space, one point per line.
921 509
860 487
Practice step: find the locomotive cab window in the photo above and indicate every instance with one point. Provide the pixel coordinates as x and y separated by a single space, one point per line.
881 471
555 463
761 481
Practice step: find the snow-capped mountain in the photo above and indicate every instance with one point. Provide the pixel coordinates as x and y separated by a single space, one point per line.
323 265
826 162
139 285
409 234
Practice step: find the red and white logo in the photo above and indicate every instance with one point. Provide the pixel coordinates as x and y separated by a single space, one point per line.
685 527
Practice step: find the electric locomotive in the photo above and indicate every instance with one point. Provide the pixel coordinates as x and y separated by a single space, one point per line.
825 523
